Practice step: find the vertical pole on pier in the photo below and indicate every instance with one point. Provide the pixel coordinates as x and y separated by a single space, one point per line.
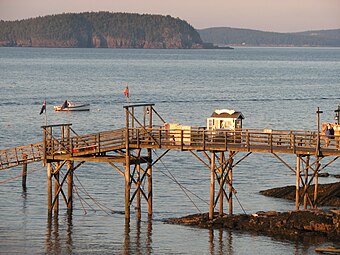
222 181
305 197
70 185
24 172
316 183
318 134
297 183
150 191
49 188
138 180
230 184
127 169
149 182
212 186
56 187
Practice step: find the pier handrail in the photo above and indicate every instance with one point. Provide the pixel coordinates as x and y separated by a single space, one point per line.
20 155
255 140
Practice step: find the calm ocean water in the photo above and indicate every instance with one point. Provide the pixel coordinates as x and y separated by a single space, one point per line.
278 88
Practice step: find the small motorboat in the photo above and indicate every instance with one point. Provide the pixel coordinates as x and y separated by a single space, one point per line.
70 106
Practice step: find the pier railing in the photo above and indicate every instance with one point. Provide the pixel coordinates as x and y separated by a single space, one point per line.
251 140
256 140
21 155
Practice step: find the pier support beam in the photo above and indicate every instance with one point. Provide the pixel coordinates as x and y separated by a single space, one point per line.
212 186
70 165
24 172
306 173
297 183
127 186
230 185
149 174
221 171
49 188
56 189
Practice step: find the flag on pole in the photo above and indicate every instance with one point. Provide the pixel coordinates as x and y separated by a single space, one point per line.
126 91
43 108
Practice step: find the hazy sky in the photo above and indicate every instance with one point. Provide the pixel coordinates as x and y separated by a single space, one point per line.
267 15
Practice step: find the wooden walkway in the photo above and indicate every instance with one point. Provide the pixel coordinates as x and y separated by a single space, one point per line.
95 147
63 146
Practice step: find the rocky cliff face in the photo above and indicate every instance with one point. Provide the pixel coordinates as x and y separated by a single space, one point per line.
100 30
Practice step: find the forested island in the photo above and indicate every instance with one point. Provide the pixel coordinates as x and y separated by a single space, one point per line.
131 30
100 30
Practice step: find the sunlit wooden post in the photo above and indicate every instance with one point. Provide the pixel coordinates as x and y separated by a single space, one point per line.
70 185
212 186
138 193
56 187
305 197
222 181
316 182
297 183
127 169
230 184
49 188
149 167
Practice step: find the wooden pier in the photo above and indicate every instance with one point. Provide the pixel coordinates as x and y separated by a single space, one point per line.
129 150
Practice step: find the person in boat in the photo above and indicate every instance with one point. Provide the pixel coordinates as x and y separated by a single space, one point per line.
65 105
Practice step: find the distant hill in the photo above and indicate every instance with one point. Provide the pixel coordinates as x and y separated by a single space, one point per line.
248 37
100 30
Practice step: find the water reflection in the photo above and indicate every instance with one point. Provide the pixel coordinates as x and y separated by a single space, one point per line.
138 245
137 239
223 244
53 243
52 235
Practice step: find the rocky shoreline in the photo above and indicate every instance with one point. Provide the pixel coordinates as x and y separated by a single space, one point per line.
328 194
291 225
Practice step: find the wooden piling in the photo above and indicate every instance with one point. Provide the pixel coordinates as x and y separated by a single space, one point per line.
56 188
297 183
70 185
222 181
316 183
24 172
150 195
127 170
138 193
49 188
150 191
230 185
212 186
305 197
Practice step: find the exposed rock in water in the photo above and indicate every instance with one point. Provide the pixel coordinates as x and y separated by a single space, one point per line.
328 194
290 225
